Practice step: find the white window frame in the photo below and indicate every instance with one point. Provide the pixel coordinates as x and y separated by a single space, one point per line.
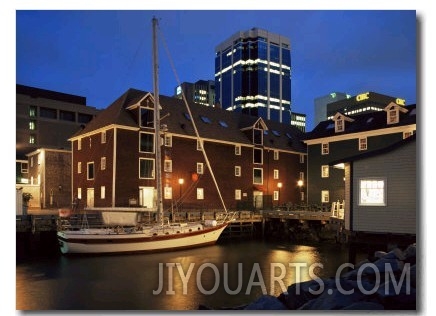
276 195
237 150
301 177
153 142
238 194
325 196
102 192
276 174
325 171
168 140
301 158
276 155
339 125
407 134
168 193
103 163
372 191
199 143
79 144
79 167
325 148
79 193
237 171
153 171
261 170
393 116
103 137
200 168
363 143
200 194
168 165
261 155
87 170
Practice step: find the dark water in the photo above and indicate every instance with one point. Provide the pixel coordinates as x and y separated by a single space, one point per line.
228 274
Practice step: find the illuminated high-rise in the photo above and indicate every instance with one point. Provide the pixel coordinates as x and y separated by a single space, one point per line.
253 74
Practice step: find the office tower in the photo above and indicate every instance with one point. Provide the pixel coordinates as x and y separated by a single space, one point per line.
321 105
201 92
253 74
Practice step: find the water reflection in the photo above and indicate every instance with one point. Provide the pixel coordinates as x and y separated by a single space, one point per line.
230 274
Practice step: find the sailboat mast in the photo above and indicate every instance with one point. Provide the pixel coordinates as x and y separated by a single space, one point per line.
157 141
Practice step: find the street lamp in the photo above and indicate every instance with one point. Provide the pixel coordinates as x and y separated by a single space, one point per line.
181 181
300 185
279 185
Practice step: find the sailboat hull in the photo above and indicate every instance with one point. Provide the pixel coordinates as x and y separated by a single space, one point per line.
97 241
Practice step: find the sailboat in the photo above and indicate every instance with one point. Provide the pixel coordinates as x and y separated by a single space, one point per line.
122 233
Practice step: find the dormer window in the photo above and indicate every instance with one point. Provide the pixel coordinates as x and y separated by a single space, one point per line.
257 136
393 112
339 120
393 116
339 126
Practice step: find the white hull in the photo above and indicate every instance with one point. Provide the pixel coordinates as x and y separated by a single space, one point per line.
165 238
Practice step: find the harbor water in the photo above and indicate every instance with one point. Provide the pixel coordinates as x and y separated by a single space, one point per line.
228 274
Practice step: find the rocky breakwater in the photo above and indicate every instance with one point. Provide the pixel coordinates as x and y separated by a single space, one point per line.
386 281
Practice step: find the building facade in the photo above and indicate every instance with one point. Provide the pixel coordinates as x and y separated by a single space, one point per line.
46 119
345 136
256 163
299 121
201 92
253 74
381 193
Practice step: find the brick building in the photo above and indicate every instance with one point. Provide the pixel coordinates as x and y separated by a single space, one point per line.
256 163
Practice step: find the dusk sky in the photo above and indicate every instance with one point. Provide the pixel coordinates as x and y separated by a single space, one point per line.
100 54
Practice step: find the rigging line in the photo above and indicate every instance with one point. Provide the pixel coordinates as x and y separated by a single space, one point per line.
193 122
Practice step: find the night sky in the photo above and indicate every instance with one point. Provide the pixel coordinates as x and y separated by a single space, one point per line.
100 54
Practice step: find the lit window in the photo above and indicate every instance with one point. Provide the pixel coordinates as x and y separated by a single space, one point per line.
168 193
324 171
276 195
102 192
32 125
32 139
325 196
200 194
237 194
103 163
372 192
79 144
103 137
79 167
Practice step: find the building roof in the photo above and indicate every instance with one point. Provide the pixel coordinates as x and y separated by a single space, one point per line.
362 123
212 123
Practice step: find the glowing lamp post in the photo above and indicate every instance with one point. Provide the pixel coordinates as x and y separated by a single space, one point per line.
300 185
279 185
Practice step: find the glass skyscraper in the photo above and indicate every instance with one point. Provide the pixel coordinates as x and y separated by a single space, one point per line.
253 74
